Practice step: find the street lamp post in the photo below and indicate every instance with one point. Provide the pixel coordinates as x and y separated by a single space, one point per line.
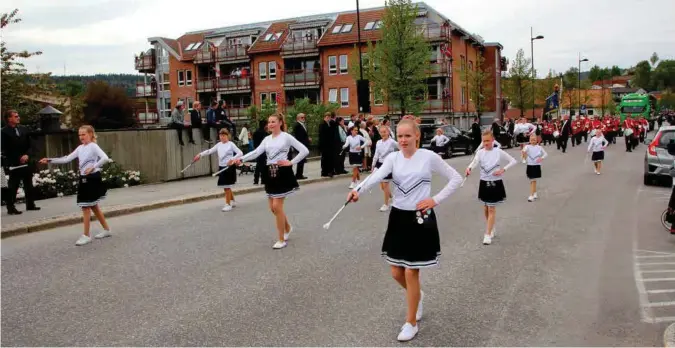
579 81
534 75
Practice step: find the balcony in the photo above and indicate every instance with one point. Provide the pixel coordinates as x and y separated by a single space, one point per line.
149 117
238 112
429 106
235 84
145 63
301 78
205 84
205 55
439 68
434 32
300 47
144 90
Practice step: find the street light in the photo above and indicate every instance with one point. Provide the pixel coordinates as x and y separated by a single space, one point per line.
579 79
534 75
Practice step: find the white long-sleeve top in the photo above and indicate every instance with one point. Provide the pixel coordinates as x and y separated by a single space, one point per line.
524 128
440 140
412 178
276 148
495 144
88 156
226 152
366 147
533 153
489 161
355 143
597 144
384 148
243 135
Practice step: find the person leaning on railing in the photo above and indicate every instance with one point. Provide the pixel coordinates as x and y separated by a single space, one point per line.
178 121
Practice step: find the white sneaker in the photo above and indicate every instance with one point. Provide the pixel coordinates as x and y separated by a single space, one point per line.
530 198
420 307
352 185
288 234
279 245
408 332
535 196
384 208
524 161
103 234
83 240
494 230
226 207
233 203
597 173
487 240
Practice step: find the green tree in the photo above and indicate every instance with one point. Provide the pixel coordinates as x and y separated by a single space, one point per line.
667 101
663 77
313 113
400 60
255 113
615 71
643 72
15 81
517 86
594 73
545 87
108 107
571 87
476 80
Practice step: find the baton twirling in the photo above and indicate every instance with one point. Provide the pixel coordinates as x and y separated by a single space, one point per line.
327 224
227 152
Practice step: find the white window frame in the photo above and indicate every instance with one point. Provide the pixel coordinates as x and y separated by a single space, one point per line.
181 81
273 98
369 26
347 28
166 82
332 70
263 96
378 24
344 92
189 47
463 90
277 36
344 69
188 77
332 95
272 75
268 37
337 29
190 103
376 101
262 71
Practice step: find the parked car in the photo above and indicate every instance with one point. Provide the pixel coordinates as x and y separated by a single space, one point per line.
504 138
658 160
460 141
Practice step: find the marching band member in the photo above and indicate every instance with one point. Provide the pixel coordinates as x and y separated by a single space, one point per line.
355 142
597 145
412 240
522 131
628 133
534 154
491 190
384 147
439 141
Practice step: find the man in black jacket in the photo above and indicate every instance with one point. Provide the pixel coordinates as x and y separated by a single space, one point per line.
261 162
300 133
565 132
16 151
326 146
476 136
196 120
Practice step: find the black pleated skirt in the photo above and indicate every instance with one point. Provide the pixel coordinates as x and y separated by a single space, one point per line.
388 177
91 190
598 156
279 181
228 178
533 172
356 158
491 193
410 244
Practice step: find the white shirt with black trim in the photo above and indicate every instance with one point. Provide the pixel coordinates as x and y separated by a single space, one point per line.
276 148
88 156
355 143
226 152
533 153
490 161
384 148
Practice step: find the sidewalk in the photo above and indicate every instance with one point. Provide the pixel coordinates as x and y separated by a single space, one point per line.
64 211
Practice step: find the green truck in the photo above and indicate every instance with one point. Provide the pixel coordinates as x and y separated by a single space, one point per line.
635 105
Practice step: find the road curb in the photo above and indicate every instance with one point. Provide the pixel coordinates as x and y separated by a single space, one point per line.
120 210
669 336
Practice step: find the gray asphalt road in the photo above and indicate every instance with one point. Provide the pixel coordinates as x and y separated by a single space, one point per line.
561 272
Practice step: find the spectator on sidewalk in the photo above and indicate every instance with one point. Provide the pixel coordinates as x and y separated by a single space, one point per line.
196 120
342 133
17 150
339 164
178 121
211 120
261 162
224 120
246 141
300 134
326 146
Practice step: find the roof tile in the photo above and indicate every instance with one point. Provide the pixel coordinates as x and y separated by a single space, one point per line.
184 41
260 46
330 39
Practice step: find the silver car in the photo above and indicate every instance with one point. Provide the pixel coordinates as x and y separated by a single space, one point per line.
658 161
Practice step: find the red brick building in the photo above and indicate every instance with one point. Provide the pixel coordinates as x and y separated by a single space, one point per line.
310 57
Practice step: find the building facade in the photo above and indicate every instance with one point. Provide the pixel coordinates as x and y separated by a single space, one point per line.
310 57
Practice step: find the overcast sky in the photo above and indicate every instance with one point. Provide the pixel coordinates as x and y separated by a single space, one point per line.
101 36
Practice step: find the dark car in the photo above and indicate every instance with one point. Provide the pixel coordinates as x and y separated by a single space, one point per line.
504 138
460 141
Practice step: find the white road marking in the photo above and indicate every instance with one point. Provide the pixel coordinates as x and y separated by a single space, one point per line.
662 291
663 319
662 304
653 252
659 271
655 263
659 280
654 256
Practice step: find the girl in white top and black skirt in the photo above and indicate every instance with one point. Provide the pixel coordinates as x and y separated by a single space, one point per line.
522 131
597 145
226 151
491 191
384 147
412 241
91 189
533 154
355 142
279 178
439 141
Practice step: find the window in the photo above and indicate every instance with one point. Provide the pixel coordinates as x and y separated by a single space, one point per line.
369 26
277 35
332 65
188 77
337 28
463 96
181 78
263 98
267 37
589 112
462 62
273 98
470 65
262 70
347 28
332 95
344 97
166 82
273 70
189 46
189 102
378 98
378 24
343 64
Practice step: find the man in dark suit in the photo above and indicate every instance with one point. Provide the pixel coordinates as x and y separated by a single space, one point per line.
565 132
496 129
339 162
261 162
17 151
300 133
326 146
476 133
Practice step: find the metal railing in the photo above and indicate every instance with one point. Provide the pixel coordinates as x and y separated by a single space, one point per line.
222 54
149 117
430 105
237 112
301 77
434 31
205 84
146 90
235 83
439 67
145 62
299 45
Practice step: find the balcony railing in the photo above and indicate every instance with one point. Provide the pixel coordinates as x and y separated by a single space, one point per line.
146 90
145 63
439 67
222 54
234 83
238 112
429 106
205 84
205 56
150 116
299 45
434 31
302 77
